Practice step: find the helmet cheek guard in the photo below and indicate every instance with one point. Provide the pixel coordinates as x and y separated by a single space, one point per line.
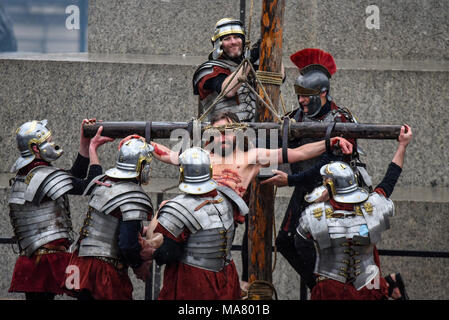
50 151
329 184
145 174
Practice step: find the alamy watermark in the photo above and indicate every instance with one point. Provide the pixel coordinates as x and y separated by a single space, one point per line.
373 20
72 22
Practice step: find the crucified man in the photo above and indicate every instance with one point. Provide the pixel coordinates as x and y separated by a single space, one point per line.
236 168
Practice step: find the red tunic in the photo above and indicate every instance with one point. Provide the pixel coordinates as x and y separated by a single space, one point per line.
101 279
41 273
185 282
330 289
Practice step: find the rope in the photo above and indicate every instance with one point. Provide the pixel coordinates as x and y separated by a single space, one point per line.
268 77
229 126
248 38
222 93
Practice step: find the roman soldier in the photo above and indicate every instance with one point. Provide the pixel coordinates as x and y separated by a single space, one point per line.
198 227
214 75
346 227
312 88
109 239
39 207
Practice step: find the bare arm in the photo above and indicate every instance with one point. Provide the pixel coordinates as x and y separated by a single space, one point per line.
234 82
404 139
304 152
164 154
95 143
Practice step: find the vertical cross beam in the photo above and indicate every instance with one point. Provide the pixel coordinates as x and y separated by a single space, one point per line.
262 197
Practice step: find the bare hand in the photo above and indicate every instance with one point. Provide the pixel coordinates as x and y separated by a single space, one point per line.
143 272
99 140
84 142
147 251
279 180
405 136
345 145
163 203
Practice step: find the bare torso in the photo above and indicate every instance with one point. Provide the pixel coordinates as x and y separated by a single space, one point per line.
236 175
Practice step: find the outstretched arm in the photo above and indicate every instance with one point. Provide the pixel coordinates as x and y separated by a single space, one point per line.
164 154
404 139
394 170
304 152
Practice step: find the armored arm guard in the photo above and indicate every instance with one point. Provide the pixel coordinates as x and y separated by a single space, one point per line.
177 214
377 210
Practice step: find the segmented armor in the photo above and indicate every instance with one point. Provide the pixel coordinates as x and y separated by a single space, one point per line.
99 234
210 221
39 208
345 240
243 104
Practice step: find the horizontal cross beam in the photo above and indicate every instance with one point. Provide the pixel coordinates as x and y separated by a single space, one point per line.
163 129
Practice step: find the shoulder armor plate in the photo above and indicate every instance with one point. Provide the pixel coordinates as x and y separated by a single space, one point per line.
18 188
207 68
235 198
316 221
376 210
134 203
47 181
180 212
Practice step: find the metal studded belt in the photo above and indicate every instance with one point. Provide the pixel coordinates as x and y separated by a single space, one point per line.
114 262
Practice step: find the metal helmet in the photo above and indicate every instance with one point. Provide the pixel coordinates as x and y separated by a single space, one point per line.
35 133
134 157
316 67
223 28
196 172
343 183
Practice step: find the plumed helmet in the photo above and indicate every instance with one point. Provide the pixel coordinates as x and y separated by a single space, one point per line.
34 132
224 27
316 67
196 172
341 179
133 152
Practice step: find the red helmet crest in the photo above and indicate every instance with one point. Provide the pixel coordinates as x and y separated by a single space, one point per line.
314 57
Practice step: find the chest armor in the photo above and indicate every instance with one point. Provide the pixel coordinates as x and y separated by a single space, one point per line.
243 104
100 231
345 239
210 221
39 208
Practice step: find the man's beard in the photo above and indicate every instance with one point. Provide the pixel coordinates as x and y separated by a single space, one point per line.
236 55
223 149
